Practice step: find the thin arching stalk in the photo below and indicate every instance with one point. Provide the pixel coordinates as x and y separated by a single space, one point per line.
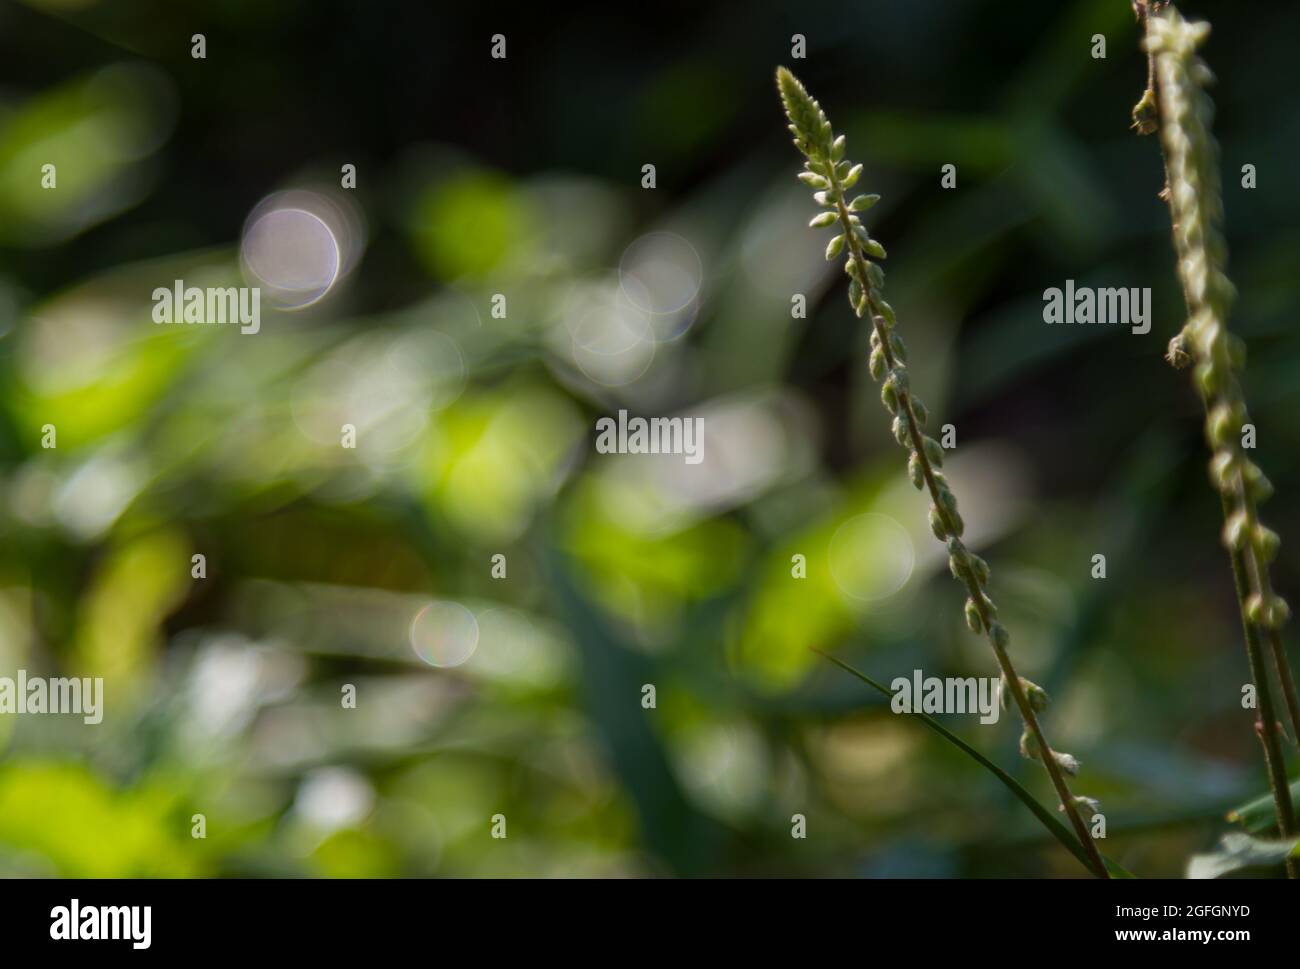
833 177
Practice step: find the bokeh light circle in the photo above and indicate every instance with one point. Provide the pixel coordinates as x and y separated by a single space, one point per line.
294 255
660 272
444 634
871 557
297 245
613 343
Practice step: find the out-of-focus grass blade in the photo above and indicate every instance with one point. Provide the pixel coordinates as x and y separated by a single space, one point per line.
1057 829
1239 852
687 840
1257 816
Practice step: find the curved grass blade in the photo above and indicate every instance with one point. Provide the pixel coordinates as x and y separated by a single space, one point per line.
1257 816
1055 827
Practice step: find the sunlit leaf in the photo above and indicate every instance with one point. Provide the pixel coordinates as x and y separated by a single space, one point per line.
1237 852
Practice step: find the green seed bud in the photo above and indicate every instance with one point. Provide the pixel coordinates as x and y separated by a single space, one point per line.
915 473
1029 747
1266 542
897 345
973 616
1066 762
1235 530
1220 426
947 499
902 434
1223 467
889 395
1035 694
877 366
999 635
1276 612
1207 378
1259 487
1255 609
821 221
937 524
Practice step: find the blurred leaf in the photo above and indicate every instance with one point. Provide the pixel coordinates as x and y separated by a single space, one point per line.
885 551
613 676
1259 816
134 590
86 830
499 454
1239 851
96 132
647 577
470 224
89 359
356 854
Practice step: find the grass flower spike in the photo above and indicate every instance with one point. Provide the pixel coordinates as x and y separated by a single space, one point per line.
1193 191
831 177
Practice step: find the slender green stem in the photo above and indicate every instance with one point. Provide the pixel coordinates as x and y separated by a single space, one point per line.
1287 681
1266 717
1175 76
828 172
977 595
